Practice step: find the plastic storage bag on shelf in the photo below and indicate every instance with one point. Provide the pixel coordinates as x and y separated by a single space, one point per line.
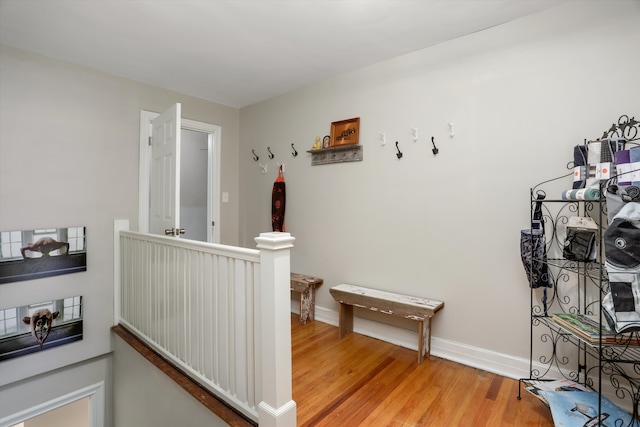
580 243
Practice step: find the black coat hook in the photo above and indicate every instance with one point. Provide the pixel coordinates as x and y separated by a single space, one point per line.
294 153
255 156
399 153
435 149
271 155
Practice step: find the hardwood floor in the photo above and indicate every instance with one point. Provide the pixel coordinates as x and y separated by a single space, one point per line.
362 381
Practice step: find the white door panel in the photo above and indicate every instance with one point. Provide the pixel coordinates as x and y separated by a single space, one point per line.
165 172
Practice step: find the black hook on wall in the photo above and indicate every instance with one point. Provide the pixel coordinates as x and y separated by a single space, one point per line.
255 156
434 149
271 155
399 153
294 153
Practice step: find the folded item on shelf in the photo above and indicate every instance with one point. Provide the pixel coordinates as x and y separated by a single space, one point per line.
623 167
581 194
634 159
619 321
608 148
594 153
617 195
580 166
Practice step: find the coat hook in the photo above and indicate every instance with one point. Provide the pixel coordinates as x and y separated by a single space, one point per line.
271 155
435 149
263 167
294 153
399 153
255 156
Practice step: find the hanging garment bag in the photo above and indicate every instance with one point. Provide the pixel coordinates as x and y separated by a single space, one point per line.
533 249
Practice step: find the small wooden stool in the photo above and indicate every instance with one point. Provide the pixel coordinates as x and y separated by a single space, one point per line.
306 287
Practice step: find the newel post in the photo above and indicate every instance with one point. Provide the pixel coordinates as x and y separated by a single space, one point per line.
277 408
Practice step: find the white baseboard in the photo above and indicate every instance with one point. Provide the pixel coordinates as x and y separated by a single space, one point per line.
487 360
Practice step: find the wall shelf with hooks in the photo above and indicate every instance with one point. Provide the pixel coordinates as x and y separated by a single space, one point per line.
338 154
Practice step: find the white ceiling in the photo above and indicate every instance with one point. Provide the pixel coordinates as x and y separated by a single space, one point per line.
241 52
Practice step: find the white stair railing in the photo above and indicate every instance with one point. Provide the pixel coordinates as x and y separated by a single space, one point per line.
220 313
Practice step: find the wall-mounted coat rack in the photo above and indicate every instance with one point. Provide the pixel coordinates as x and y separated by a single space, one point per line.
294 152
271 155
255 156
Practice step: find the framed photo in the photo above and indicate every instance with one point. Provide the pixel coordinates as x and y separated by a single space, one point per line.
44 252
40 326
326 141
345 132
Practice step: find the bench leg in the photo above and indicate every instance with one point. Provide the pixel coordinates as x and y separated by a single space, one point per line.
345 319
307 304
424 339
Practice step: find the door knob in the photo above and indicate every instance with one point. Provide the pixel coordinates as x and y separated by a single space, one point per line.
174 231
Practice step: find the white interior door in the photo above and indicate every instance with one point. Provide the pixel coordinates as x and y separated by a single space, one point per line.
164 204
213 180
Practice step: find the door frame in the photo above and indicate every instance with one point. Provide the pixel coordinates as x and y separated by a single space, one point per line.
213 172
96 403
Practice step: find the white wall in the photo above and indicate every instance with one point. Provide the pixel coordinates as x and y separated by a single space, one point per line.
69 148
148 397
520 95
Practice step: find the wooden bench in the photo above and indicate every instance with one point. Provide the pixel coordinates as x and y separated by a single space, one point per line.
306 287
409 307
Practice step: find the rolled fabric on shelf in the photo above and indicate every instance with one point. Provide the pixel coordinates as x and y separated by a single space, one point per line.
581 194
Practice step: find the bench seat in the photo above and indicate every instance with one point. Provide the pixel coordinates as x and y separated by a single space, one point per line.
410 307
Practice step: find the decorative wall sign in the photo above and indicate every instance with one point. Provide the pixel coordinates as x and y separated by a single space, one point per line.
36 327
32 254
345 132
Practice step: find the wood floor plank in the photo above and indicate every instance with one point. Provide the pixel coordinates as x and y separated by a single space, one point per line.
373 392
361 381
406 405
